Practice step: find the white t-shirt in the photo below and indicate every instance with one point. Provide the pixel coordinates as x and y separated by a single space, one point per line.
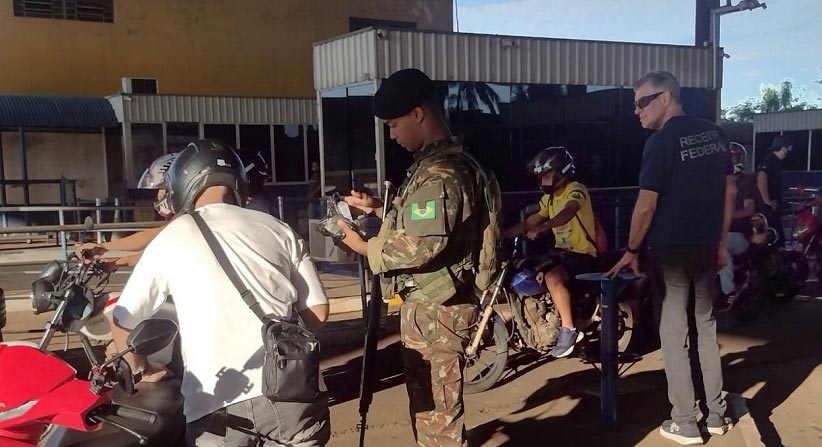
220 336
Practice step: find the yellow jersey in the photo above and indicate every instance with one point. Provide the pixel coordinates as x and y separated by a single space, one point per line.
571 236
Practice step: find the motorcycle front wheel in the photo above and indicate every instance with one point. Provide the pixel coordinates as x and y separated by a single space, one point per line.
749 302
484 369
791 275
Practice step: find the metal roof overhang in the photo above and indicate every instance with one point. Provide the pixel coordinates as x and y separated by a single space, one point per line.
55 112
135 108
375 53
788 121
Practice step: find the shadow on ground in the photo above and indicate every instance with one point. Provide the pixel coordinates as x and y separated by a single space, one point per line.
790 352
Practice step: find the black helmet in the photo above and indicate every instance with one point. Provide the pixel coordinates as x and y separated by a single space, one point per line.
202 164
254 164
556 158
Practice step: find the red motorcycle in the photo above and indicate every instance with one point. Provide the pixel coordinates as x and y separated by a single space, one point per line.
39 390
807 228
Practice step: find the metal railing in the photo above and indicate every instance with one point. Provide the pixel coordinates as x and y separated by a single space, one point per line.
62 229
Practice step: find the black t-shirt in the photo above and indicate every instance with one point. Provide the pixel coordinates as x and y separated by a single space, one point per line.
772 166
686 163
745 190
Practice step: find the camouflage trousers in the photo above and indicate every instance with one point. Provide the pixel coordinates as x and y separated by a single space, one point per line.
434 339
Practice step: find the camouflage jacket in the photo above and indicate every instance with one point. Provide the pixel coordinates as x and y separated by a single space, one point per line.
431 239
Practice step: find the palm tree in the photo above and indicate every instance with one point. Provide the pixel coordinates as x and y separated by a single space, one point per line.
472 96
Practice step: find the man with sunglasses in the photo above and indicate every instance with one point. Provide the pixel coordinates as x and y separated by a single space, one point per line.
684 207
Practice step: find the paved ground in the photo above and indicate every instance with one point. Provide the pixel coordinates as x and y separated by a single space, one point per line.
772 369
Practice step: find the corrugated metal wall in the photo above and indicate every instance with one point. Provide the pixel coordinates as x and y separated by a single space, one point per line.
216 110
787 121
490 58
346 60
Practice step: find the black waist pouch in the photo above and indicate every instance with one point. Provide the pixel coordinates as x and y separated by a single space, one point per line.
291 371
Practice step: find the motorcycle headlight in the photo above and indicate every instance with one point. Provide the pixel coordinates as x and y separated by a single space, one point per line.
41 296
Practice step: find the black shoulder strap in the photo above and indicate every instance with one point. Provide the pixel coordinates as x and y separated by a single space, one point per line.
587 235
219 253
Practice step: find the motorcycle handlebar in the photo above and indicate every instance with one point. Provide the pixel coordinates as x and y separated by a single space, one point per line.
135 414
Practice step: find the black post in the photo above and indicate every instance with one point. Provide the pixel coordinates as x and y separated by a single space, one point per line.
361 272
2 313
372 326
702 22
2 173
608 352
24 170
367 375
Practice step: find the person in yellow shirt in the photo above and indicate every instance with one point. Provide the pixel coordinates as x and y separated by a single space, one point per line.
565 209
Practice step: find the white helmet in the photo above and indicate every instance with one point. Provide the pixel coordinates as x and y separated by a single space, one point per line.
155 176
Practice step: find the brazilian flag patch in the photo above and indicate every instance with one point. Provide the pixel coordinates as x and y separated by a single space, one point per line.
429 212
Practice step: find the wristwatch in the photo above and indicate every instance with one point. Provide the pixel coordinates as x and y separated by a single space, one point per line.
630 250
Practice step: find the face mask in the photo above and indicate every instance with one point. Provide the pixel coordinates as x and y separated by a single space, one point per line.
547 189
738 168
162 207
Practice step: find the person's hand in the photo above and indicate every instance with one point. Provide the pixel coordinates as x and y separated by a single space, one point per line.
154 373
92 249
111 265
630 260
722 256
511 232
352 239
533 234
773 204
362 202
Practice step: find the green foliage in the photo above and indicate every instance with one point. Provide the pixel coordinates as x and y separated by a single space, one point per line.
773 98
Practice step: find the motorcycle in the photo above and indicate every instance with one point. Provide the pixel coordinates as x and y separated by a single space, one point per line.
42 399
765 273
531 322
807 229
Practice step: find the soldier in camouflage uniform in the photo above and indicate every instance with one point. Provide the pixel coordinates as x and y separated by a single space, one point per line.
427 247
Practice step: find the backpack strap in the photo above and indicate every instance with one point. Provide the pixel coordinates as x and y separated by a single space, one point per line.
587 235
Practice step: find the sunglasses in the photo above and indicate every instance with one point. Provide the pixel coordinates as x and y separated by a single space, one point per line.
643 102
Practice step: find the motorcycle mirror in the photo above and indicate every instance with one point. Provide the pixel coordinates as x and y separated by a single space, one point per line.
151 336
51 272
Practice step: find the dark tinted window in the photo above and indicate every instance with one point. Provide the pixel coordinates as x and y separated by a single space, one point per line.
147 144
178 135
797 159
816 150
257 139
349 139
224 133
289 153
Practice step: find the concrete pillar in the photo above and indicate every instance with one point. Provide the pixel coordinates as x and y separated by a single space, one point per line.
273 153
128 156
2 174
24 170
322 142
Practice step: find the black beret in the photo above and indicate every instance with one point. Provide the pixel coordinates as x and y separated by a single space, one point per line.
401 92
779 142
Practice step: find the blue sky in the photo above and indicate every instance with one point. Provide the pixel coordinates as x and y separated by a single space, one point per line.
767 46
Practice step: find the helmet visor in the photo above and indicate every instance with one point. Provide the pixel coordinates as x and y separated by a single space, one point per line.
151 180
